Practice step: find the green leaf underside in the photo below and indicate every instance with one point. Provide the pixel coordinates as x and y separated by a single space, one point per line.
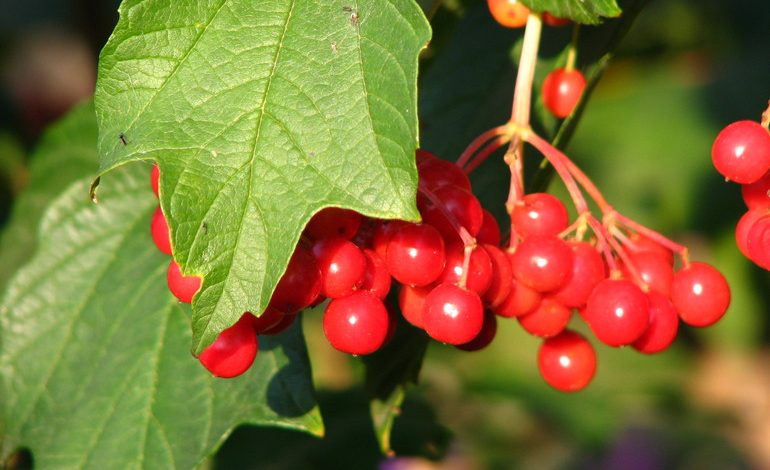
67 152
260 113
581 11
95 366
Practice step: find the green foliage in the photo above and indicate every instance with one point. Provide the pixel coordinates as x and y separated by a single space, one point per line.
260 114
580 11
96 370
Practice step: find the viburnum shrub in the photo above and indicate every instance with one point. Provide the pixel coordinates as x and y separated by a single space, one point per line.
289 182
618 273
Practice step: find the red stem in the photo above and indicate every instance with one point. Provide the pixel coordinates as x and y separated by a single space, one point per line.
485 152
478 142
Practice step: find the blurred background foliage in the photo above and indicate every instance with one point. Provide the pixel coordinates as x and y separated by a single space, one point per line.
684 70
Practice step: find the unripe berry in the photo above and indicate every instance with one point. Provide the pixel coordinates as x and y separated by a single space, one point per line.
509 13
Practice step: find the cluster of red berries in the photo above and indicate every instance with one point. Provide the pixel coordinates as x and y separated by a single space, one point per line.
741 153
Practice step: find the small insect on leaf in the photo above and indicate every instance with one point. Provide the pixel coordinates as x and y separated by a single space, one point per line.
122 138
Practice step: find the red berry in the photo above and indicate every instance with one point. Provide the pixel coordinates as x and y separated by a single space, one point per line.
489 233
757 242
549 318
567 362
281 326
234 350
588 270
415 255
617 311
342 266
562 90
520 301
377 277
334 222
540 214
700 294
459 204
300 285
654 270
663 327
542 263
269 319
383 231
356 324
155 179
485 336
502 274
184 288
640 243
435 173
744 226
453 315
551 20
741 152
509 13
160 233
422 155
479 268
756 195
411 301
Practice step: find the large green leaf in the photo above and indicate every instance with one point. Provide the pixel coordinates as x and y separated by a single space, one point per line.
581 11
66 153
260 113
95 367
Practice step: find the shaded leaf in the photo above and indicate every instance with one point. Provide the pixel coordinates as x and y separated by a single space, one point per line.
581 11
94 360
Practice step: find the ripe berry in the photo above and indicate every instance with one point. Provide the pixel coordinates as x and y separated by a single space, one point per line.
184 288
502 274
700 294
383 231
549 319
489 233
551 20
567 362
356 324
281 326
745 224
588 270
542 263
741 152
521 301
453 315
756 195
342 266
540 214
269 319
155 179
300 285
654 271
479 268
617 312
435 173
415 255
411 301
757 242
485 336
376 278
509 13
334 222
234 350
663 327
639 243
160 233
458 204
562 90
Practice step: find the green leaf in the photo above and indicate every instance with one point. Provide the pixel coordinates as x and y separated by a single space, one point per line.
95 369
66 153
388 372
580 11
260 113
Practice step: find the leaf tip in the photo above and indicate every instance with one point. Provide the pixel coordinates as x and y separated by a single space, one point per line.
92 190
